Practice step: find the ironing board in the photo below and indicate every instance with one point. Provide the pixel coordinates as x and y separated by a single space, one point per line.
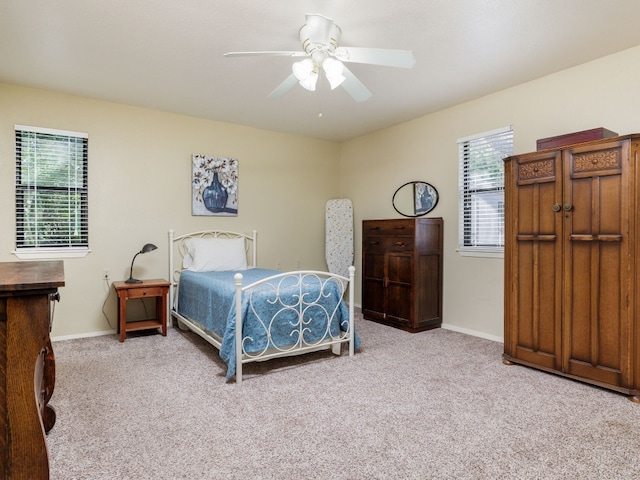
339 249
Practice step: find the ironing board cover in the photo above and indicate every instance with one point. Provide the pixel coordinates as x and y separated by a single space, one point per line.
339 249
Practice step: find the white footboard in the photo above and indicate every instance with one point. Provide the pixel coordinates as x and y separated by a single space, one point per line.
312 288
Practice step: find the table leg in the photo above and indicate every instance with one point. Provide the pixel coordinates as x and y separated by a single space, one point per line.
122 318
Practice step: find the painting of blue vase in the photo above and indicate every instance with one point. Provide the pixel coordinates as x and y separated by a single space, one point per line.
215 185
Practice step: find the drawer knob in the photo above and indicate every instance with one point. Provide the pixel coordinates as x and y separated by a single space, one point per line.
144 292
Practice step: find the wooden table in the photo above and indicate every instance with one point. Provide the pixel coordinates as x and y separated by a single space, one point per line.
157 289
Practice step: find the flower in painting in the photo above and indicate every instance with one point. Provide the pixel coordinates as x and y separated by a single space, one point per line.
204 168
228 174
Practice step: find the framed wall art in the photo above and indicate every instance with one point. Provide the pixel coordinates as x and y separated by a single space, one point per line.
415 199
426 197
215 186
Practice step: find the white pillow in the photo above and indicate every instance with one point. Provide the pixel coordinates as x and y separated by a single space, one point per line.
214 254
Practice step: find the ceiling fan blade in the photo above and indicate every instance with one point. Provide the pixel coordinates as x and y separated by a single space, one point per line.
271 54
355 87
376 56
284 87
319 28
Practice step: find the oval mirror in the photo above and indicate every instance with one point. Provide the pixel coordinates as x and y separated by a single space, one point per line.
414 199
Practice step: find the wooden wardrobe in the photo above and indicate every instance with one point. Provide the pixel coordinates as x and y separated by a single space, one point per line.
572 249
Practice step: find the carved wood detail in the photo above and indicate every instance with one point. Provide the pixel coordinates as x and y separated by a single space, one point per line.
539 169
601 160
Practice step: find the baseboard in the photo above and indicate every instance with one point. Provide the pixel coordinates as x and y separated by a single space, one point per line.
82 335
357 308
453 328
475 333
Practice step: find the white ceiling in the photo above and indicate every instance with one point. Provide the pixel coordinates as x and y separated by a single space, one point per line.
168 54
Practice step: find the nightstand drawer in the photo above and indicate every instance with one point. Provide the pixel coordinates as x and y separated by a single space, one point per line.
142 292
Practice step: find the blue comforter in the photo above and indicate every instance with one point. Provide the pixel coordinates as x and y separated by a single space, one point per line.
208 299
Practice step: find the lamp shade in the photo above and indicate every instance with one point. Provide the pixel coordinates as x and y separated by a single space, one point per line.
306 73
333 70
310 82
148 247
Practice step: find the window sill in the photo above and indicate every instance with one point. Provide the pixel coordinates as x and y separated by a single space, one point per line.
50 253
481 252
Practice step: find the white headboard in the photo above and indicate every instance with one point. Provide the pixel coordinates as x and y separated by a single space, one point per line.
177 251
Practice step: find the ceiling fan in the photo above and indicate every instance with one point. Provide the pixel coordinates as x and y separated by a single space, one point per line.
320 38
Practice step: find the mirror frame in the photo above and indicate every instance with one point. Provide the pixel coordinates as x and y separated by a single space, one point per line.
435 198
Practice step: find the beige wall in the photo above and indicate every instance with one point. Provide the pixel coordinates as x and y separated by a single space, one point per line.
140 169
139 181
602 93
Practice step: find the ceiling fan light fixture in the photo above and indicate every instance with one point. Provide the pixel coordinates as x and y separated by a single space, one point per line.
303 68
307 73
320 38
310 82
333 70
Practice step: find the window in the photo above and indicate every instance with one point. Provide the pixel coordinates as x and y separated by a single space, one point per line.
51 193
481 191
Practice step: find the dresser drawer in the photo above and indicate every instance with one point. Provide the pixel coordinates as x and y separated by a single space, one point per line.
376 243
388 227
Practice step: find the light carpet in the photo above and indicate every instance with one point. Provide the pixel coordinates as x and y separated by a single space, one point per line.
431 405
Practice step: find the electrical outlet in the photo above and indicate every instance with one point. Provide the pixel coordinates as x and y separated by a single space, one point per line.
278 264
106 274
298 264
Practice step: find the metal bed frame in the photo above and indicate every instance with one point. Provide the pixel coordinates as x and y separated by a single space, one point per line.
300 278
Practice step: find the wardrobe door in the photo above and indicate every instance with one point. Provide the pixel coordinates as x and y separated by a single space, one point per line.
596 336
534 259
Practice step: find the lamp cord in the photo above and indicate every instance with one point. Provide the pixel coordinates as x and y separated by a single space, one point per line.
106 281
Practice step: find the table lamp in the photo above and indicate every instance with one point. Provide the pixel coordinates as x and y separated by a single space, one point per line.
149 247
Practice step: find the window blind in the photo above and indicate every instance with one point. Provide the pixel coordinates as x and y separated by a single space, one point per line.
481 189
51 189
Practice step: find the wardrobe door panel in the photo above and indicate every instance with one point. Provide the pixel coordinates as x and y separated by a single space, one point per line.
596 263
535 280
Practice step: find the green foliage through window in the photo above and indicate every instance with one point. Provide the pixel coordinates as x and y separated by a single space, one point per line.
481 185
51 189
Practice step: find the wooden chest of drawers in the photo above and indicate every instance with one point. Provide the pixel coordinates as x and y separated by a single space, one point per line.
402 272
27 366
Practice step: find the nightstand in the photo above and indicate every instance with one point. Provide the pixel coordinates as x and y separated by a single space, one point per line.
157 289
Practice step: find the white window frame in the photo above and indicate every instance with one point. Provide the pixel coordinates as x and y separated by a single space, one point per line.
48 252
466 193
